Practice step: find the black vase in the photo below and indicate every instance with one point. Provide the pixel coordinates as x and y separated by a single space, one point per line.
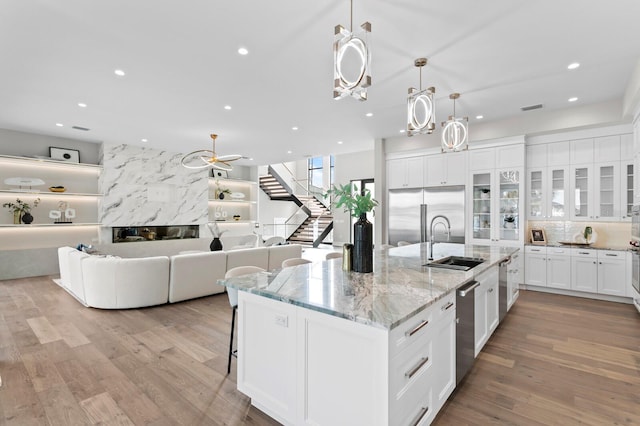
216 244
27 218
363 245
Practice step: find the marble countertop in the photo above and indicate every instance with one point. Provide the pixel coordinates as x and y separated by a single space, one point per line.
582 246
399 287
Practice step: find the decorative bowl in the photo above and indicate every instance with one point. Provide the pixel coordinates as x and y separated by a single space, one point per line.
57 188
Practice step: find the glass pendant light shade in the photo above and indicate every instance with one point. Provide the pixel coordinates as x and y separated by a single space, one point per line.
351 61
455 131
421 115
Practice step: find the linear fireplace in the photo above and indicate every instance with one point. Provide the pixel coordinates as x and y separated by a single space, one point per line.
125 234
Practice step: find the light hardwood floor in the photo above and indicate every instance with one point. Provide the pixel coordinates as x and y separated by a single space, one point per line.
554 360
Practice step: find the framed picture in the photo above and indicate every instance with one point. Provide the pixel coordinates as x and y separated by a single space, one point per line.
64 154
537 236
219 173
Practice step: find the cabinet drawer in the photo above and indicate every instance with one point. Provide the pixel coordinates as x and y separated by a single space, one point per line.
411 369
535 249
611 254
587 253
422 324
418 409
558 251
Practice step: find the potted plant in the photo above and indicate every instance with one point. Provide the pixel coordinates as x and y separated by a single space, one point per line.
21 210
220 191
357 204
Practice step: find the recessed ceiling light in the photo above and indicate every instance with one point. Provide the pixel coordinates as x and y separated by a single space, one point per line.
243 51
402 130
294 128
479 117
369 114
289 152
339 142
573 66
573 99
59 124
227 107
144 140
82 105
119 73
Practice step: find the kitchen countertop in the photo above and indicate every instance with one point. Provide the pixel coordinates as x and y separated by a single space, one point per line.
398 288
590 247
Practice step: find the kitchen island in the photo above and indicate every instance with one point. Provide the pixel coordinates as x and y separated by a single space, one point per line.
318 345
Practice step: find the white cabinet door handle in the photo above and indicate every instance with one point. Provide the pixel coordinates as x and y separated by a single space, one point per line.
409 374
416 328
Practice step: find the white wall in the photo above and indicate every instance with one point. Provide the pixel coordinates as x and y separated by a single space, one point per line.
22 144
348 167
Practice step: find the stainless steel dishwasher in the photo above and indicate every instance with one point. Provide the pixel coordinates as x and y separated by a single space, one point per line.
503 273
465 329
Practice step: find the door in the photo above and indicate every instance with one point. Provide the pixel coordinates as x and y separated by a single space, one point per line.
493 307
535 269
612 273
584 271
626 189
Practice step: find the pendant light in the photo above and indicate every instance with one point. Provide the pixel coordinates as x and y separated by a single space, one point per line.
203 158
421 114
455 131
351 61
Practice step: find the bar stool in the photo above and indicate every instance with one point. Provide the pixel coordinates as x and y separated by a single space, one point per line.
233 301
294 261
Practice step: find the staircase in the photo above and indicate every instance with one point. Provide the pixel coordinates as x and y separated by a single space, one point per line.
278 190
320 214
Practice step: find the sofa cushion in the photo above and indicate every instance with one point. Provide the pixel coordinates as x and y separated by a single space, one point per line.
248 257
279 253
196 274
116 283
63 264
76 281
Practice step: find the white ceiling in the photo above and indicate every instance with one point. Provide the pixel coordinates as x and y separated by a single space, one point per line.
183 67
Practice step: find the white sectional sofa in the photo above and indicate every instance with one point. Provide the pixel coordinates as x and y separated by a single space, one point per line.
134 275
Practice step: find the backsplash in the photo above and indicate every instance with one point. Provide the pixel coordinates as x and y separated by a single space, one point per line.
609 234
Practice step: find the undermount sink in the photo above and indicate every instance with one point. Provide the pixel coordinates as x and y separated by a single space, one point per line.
458 263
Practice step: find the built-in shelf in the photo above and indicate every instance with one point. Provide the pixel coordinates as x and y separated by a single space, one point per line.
48 162
45 225
49 193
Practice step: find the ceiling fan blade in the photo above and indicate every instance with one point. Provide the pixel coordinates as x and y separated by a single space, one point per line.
197 159
220 165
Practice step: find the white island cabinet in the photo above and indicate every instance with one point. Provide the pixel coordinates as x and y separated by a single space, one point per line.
318 345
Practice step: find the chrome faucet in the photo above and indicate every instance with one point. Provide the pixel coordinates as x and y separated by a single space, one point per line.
431 227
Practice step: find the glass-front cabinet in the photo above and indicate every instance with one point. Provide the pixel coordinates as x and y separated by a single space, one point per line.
627 179
581 191
548 193
497 206
482 182
607 201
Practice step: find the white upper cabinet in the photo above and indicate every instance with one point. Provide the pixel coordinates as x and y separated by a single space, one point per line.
445 169
559 154
582 192
582 151
606 148
607 196
482 159
509 156
626 147
405 173
536 155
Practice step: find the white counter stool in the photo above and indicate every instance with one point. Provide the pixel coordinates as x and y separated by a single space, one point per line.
294 261
333 255
233 301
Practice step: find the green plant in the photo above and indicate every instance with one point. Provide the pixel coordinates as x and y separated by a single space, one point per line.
351 200
21 206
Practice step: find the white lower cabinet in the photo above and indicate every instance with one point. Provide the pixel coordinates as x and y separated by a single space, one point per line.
559 267
584 270
303 367
486 308
612 272
514 278
579 269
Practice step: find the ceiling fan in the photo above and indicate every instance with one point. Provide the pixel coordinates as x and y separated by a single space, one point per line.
204 158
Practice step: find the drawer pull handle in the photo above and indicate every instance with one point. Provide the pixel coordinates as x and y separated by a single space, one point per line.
417 328
450 304
409 374
423 412
583 252
491 290
611 254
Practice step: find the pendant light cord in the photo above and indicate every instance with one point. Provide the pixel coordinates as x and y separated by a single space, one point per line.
351 17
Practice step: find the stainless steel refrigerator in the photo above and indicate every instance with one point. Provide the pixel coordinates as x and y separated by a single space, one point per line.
405 213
